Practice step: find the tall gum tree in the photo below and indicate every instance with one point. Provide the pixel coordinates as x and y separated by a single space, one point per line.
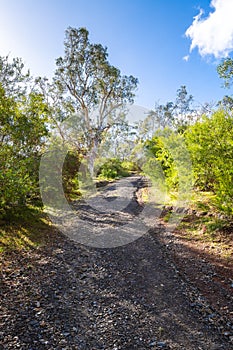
225 71
96 90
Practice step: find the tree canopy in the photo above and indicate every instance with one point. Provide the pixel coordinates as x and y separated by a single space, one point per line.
86 102
91 87
225 71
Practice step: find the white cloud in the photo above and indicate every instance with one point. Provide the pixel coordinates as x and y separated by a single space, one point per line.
186 58
213 35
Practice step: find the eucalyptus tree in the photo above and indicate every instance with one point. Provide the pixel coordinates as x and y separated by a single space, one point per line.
183 111
13 77
119 141
225 71
176 115
91 88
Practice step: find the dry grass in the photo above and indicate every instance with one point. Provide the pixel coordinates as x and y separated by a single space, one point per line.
24 229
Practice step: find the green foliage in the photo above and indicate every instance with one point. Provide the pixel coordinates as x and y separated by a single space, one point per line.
119 141
95 93
95 89
70 174
112 169
86 87
23 128
12 77
225 71
168 155
130 166
210 144
23 228
226 103
176 115
160 163
203 152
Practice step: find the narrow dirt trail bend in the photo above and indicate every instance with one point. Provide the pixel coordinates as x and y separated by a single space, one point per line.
127 297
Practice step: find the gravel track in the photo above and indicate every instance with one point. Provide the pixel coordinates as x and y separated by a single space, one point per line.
69 296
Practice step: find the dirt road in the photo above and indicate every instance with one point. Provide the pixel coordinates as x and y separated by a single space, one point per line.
70 296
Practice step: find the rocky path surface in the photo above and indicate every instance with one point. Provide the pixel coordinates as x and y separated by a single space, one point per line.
70 296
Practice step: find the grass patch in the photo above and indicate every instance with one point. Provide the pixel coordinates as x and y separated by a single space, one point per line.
24 228
206 224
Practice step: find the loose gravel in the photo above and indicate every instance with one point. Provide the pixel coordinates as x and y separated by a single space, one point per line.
69 296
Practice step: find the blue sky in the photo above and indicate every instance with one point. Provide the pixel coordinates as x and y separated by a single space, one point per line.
145 38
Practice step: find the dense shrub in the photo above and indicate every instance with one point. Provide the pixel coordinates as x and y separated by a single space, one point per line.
210 143
112 169
22 131
70 172
130 166
168 160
